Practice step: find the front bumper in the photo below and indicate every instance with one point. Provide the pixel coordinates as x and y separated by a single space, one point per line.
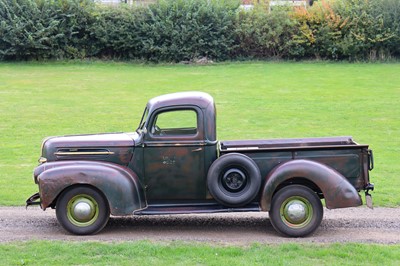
33 200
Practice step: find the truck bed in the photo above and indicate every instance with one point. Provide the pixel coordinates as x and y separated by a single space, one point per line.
340 153
289 144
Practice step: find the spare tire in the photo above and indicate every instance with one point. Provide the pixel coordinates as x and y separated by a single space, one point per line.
234 180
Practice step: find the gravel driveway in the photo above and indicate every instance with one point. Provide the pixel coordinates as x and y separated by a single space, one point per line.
380 225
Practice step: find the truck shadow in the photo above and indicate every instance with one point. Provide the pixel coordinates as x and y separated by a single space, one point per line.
192 222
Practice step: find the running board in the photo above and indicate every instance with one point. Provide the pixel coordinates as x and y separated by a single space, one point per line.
160 209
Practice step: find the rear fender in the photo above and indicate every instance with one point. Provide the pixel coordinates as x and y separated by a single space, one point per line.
337 191
120 185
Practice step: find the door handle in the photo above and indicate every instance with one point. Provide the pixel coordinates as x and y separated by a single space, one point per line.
198 149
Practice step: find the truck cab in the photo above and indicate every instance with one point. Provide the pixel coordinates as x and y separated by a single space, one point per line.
177 139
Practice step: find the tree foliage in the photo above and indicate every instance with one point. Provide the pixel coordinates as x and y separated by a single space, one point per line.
183 30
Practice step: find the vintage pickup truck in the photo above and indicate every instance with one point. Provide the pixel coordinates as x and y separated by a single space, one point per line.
174 164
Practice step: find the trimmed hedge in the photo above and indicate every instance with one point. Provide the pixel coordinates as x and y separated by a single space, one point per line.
186 29
116 32
183 30
44 29
351 29
266 35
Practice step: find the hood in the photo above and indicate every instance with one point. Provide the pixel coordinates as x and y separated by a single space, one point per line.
115 147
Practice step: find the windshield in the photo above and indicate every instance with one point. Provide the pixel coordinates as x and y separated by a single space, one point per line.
141 127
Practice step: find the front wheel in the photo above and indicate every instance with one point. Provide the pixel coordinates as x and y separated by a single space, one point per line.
82 210
296 211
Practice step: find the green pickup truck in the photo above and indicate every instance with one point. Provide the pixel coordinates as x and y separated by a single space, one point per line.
174 164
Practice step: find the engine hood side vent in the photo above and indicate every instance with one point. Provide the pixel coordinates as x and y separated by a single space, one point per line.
83 152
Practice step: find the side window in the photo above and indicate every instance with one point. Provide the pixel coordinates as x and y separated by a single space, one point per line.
176 122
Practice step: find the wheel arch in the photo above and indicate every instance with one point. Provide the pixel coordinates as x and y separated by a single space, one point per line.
71 187
120 186
325 181
300 181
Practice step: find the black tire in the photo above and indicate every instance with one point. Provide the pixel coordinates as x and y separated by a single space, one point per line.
82 210
306 211
234 180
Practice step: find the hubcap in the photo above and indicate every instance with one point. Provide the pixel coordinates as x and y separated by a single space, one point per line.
234 180
82 210
296 212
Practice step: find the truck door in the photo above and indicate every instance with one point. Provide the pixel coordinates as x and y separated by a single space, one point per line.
174 155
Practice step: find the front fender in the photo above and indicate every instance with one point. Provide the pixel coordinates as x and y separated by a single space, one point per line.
337 191
120 185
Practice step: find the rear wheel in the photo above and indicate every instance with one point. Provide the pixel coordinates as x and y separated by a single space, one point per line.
82 210
296 211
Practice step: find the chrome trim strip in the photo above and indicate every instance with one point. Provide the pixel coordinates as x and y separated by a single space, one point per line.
84 153
242 149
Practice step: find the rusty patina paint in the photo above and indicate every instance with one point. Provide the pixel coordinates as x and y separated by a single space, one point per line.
117 146
118 184
175 166
168 168
175 172
132 169
203 101
336 166
337 191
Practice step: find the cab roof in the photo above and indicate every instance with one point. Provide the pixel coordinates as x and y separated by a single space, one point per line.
199 99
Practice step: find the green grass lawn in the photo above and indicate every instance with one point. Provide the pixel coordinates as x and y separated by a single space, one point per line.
254 100
178 253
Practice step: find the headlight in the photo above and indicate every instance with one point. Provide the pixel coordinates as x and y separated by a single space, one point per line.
42 160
